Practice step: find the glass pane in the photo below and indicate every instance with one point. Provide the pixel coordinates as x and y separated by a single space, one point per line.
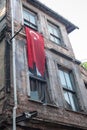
52 38
38 90
26 23
55 32
32 19
62 78
38 73
50 29
29 19
57 41
33 88
25 15
71 97
2 8
67 100
32 26
68 81
34 95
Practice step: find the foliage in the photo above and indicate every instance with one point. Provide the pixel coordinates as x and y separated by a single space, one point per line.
84 65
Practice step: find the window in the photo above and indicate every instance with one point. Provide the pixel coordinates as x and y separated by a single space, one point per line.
67 83
85 85
2 9
30 19
55 35
38 86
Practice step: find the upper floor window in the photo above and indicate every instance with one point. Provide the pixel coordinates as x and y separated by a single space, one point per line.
54 32
69 92
30 18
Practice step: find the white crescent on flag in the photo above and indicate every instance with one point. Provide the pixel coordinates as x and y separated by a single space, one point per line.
37 36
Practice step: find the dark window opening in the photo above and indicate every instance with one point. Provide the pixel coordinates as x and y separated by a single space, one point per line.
39 86
85 85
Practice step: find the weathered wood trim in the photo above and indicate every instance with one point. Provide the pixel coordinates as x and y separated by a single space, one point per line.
27 73
7 66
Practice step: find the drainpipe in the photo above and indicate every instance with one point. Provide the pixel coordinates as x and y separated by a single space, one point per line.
14 66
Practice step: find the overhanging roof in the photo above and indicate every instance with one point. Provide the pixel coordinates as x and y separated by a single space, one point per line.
69 26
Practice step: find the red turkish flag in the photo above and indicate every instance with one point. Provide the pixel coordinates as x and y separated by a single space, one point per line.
35 50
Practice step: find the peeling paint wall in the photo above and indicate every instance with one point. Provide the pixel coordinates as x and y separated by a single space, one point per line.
56 113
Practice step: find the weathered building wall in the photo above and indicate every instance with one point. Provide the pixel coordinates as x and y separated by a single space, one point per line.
47 113
6 95
6 99
84 74
22 74
53 69
56 113
84 81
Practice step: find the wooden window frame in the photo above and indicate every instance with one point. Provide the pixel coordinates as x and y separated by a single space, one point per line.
57 37
40 83
69 91
27 22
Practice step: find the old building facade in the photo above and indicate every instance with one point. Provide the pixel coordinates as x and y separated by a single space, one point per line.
29 99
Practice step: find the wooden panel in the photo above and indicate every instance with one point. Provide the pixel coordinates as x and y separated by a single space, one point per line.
55 89
2 74
17 11
21 68
2 52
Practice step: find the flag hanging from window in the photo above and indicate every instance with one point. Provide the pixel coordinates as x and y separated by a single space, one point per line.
35 50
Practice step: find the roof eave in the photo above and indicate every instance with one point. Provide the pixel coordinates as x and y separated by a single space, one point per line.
69 26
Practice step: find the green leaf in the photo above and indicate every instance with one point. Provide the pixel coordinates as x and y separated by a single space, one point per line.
84 65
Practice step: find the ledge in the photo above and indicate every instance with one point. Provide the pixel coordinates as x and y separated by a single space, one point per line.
65 56
44 104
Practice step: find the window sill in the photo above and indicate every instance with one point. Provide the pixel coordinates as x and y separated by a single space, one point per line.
35 29
36 101
60 45
51 105
37 78
44 104
54 106
77 112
